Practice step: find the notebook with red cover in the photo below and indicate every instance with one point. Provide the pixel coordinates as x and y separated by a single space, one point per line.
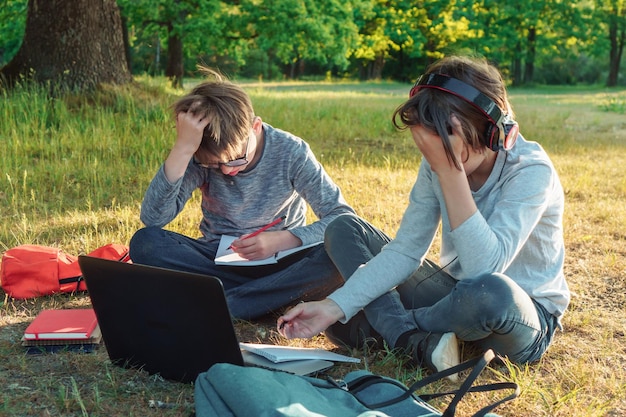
62 324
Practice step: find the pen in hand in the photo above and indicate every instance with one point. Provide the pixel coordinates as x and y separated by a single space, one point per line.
262 229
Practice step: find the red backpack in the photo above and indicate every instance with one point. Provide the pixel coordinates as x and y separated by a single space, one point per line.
29 271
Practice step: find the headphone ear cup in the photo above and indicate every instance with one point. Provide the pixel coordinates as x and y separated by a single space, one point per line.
496 140
511 131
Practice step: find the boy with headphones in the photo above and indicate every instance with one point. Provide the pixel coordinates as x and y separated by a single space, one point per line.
500 281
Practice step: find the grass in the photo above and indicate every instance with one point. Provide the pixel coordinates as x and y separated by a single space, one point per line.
73 173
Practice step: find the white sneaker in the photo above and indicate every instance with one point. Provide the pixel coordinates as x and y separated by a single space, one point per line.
446 354
435 351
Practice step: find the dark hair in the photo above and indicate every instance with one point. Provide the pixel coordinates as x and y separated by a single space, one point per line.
433 108
229 110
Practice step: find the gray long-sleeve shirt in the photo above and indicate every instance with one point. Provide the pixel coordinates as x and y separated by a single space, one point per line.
517 230
284 180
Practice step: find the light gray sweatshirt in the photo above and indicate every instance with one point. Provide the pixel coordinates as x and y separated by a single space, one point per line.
284 180
517 231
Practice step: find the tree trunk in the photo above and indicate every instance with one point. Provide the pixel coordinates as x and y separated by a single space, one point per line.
74 44
175 68
292 71
616 37
529 72
516 67
126 40
377 69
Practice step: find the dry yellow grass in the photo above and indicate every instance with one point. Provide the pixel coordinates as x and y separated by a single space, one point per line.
583 374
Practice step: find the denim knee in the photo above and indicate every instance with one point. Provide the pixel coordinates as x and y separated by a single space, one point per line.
141 244
341 226
493 295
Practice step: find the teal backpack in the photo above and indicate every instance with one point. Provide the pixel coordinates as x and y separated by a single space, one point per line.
227 390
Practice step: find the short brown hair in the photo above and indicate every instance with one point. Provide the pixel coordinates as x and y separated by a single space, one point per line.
229 110
432 109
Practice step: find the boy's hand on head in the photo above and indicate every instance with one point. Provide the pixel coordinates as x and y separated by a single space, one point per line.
432 147
189 130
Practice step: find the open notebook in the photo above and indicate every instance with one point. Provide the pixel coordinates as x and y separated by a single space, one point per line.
173 323
228 257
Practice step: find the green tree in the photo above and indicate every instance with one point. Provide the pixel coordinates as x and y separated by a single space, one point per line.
297 31
12 22
516 34
178 24
600 28
373 45
396 34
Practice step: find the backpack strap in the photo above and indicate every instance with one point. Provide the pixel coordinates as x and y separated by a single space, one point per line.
77 279
365 381
478 364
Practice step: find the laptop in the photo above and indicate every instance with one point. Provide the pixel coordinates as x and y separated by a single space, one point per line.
172 323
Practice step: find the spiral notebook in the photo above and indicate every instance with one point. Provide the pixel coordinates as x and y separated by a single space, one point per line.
175 324
278 354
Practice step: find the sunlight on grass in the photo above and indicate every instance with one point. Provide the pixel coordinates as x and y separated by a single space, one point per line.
74 170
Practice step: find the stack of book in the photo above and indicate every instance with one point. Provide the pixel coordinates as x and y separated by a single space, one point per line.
63 330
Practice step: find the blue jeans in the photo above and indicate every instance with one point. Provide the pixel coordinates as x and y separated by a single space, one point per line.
491 310
251 292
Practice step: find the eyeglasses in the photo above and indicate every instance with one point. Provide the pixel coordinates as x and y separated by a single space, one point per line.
241 161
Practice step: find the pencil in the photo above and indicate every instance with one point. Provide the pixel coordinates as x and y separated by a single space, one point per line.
262 229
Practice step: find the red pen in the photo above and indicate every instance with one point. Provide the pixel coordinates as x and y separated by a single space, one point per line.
262 229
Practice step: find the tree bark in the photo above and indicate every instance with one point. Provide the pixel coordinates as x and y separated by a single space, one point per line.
379 64
75 45
516 66
529 71
175 68
616 38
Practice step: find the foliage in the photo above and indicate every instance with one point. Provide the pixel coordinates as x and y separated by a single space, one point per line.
369 39
12 24
293 30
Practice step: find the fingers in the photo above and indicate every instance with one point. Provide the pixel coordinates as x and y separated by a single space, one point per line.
290 315
306 320
258 246
287 323
455 122
190 127
249 248
197 120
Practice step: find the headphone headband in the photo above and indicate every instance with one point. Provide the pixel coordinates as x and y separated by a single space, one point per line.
462 90
506 129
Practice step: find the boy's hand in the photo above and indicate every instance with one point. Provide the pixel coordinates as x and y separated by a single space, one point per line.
265 244
306 320
432 147
189 130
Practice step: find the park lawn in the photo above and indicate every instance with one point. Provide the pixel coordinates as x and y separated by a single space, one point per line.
74 171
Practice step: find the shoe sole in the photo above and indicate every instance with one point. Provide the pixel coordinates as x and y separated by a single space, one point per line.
446 354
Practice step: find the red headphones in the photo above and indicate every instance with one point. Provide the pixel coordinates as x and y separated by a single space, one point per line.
502 131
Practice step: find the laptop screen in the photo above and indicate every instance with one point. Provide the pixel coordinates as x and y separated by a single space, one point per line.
165 322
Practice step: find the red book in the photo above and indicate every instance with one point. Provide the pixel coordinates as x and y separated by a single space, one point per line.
62 324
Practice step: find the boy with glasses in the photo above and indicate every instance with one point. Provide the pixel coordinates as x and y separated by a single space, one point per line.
249 174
